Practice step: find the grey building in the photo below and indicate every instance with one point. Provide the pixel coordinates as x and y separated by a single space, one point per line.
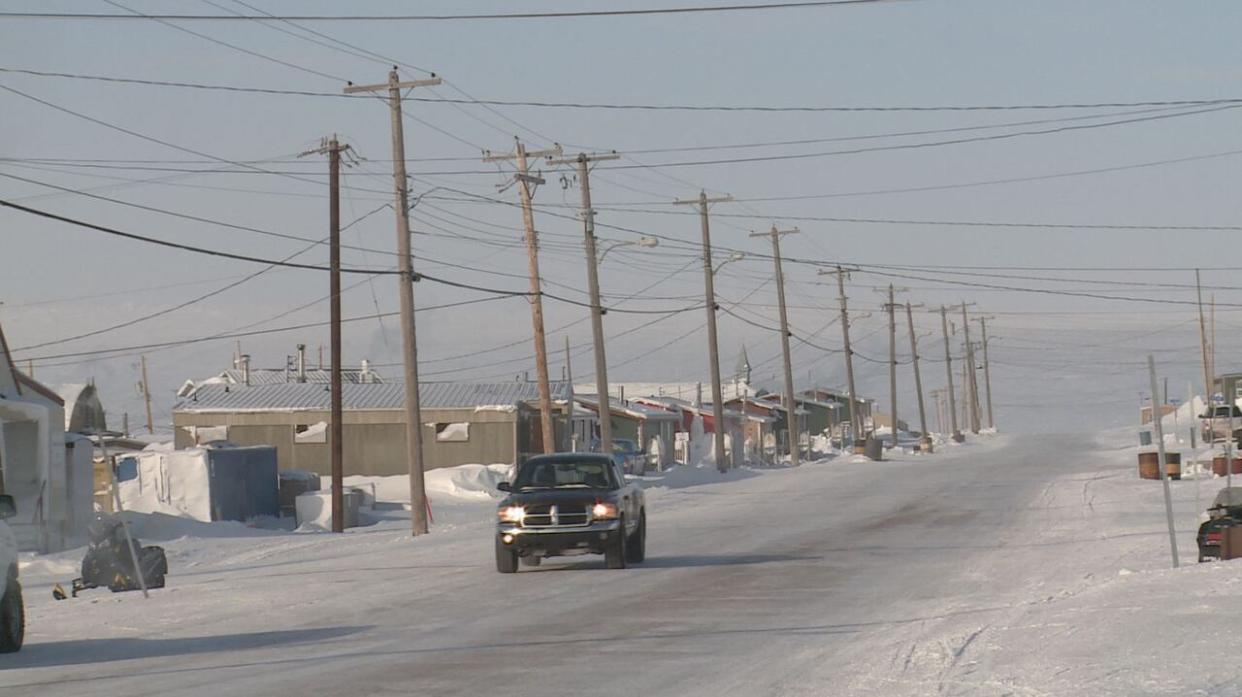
463 423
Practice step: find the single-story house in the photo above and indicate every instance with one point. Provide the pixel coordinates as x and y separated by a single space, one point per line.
844 405
640 423
463 423
47 474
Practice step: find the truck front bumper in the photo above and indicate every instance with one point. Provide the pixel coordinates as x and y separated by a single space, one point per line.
560 539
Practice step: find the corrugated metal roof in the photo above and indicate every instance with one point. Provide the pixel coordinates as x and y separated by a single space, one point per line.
277 376
296 396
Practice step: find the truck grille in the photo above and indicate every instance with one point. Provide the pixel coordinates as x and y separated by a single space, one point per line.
559 515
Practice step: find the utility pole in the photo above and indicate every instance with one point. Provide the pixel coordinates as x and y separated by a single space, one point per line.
583 161
1156 419
1207 373
146 395
925 442
712 347
524 180
790 403
948 373
987 371
855 420
891 308
405 291
971 383
336 435
569 412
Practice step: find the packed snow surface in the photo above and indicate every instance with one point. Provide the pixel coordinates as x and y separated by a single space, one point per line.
1009 565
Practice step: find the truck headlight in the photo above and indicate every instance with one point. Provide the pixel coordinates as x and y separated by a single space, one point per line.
604 511
511 514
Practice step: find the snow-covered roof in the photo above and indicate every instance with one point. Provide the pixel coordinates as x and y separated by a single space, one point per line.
638 411
681 390
300 396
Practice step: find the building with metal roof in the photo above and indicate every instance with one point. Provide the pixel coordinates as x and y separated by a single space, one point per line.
463 423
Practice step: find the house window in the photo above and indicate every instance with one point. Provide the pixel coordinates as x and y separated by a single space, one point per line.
458 432
311 433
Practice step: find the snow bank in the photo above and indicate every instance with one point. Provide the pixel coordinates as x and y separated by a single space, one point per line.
447 485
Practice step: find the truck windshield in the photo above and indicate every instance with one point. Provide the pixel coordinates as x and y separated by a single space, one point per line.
550 475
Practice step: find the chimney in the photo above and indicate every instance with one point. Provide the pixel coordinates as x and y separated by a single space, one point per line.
366 371
301 362
245 368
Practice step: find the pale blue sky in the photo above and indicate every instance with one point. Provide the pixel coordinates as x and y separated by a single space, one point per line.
905 53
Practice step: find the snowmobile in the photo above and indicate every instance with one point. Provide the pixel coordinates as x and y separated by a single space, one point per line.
108 562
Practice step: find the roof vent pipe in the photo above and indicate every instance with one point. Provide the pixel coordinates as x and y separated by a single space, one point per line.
301 362
245 368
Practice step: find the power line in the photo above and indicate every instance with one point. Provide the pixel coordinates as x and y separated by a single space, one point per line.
804 4
238 335
313 267
1156 103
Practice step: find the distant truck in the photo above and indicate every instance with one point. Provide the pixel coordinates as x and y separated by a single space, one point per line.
569 504
12 611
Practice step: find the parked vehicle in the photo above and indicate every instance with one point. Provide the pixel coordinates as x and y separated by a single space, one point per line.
627 453
1226 512
12 611
569 504
109 561
1214 425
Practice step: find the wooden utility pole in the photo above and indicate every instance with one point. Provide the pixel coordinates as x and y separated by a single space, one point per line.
948 374
146 395
336 434
790 402
891 308
987 371
583 162
405 280
713 349
925 442
524 180
1207 371
971 383
855 417
569 408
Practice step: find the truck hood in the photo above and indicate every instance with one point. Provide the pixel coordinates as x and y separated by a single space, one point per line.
559 496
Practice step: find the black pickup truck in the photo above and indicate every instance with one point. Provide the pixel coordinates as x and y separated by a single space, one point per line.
569 504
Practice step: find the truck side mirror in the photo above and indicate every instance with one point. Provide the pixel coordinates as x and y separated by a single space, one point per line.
504 486
8 508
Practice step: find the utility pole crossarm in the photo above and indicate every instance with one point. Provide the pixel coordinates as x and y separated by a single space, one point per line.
351 88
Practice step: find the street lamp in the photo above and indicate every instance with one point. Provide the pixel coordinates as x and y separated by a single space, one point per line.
736 256
644 241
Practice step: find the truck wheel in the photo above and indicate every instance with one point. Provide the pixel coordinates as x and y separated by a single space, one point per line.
12 618
506 558
617 552
636 550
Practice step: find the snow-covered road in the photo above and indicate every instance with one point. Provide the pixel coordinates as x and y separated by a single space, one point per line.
997 568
